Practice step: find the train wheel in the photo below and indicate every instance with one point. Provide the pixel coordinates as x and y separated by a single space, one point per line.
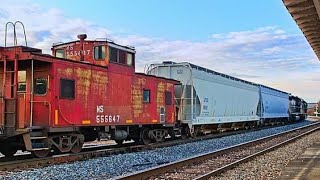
41 153
76 148
145 139
8 151
160 136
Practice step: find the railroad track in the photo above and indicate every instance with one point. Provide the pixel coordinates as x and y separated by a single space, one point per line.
25 161
214 163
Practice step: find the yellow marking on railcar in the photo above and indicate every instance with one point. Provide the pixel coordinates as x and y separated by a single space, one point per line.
129 121
154 120
86 121
137 96
83 84
56 117
160 96
65 71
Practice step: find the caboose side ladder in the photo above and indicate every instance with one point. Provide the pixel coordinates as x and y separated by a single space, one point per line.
9 98
10 85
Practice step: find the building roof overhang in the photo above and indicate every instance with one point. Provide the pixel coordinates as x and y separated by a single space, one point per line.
306 13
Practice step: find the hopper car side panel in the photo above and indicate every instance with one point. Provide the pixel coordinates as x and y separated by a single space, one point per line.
274 103
224 100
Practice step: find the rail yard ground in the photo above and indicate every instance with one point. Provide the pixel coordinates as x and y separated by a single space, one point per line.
269 165
273 164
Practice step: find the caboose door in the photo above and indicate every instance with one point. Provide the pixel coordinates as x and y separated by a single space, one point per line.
41 106
14 109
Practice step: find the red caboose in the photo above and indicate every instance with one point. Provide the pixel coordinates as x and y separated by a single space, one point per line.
86 90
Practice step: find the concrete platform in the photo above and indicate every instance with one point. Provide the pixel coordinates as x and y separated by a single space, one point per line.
307 166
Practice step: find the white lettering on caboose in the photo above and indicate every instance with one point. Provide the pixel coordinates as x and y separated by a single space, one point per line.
107 118
103 118
100 109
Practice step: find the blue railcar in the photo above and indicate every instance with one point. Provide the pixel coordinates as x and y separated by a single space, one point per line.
273 104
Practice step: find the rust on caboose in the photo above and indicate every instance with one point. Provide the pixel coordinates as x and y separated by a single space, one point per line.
137 96
87 87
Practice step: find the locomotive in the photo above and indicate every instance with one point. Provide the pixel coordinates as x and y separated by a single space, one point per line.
89 89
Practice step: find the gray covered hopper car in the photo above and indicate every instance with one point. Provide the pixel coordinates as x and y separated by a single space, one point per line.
209 100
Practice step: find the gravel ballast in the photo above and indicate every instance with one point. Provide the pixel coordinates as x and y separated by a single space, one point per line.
115 165
270 165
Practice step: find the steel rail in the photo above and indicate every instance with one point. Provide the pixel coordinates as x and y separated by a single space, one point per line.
156 171
24 161
250 157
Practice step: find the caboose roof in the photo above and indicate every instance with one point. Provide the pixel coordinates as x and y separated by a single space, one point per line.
23 48
109 42
149 75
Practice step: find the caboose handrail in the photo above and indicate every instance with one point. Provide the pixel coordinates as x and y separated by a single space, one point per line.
6 34
24 31
31 93
15 40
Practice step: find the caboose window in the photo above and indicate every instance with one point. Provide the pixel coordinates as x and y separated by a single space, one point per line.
129 59
60 53
122 57
40 86
146 96
67 89
168 98
113 54
22 79
99 52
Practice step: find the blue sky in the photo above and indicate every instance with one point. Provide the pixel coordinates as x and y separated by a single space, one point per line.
250 39
178 19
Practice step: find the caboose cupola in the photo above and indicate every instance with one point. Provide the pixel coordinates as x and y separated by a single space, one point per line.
98 52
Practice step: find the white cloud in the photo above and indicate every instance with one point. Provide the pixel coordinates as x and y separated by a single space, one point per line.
267 55
271 50
45 27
